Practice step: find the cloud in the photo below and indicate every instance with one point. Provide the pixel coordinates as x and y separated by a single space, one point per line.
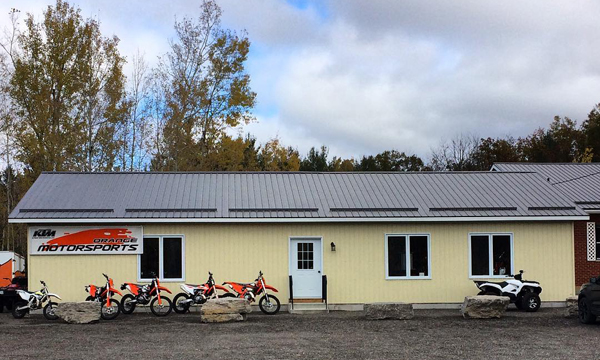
369 75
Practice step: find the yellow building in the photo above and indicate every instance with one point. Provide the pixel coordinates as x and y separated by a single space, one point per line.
352 238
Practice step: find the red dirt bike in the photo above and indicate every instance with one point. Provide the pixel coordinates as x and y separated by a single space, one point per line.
269 304
110 307
197 294
144 294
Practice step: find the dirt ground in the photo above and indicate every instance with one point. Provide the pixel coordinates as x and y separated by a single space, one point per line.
432 334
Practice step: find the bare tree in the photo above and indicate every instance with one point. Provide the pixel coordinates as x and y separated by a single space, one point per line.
136 131
455 154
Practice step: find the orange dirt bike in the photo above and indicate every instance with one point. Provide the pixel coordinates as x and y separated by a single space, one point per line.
104 295
197 294
144 294
269 304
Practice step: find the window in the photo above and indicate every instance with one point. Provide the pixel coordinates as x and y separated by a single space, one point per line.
163 256
491 255
407 256
305 256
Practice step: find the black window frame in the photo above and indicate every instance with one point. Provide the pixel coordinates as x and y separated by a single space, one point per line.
490 274
407 253
161 240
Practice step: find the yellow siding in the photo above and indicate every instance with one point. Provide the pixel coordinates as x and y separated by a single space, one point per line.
355 271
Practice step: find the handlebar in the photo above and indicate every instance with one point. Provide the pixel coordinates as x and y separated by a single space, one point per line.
106 276
42 282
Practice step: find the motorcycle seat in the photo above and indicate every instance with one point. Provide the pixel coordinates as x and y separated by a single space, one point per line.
195 285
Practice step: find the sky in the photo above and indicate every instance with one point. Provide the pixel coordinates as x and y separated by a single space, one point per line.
363 76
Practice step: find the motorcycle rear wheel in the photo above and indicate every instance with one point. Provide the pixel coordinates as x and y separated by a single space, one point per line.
110 312
270 307
49 311
127 306
179 306
19 314
161 310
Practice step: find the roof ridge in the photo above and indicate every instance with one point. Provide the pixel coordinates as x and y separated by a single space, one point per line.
492 173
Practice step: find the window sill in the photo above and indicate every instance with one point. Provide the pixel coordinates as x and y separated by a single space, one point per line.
161 280
408 277
490 277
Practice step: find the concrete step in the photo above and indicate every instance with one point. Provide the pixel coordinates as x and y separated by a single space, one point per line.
308 308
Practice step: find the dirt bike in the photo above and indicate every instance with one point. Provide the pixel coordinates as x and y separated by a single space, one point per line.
110 307
268 304
197 294
525 294
34 301
144 294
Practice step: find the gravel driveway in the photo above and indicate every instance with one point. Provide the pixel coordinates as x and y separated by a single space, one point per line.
432 334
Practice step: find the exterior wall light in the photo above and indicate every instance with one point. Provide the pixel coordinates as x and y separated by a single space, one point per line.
332 246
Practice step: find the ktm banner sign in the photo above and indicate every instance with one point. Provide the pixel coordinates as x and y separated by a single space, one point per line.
57 240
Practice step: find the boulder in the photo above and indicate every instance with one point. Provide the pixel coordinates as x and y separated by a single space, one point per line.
572 307
396 311
224 310
225 306
221 318
484 306
84 312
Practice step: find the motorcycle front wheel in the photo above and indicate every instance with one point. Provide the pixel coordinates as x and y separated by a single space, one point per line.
180 305
269 306
49 311
161 310
19 314
110 312
127 306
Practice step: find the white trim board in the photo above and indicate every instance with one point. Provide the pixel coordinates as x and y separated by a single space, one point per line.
296 220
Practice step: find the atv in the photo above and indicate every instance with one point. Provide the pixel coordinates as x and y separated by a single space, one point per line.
525 294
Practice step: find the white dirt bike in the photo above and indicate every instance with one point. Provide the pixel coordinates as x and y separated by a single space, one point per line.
525 294
35 300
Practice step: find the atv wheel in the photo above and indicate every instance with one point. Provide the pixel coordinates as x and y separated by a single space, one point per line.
161 310
531 302
19 314
49 311
180 305
110 312
127 306
584 313
269 306
519 303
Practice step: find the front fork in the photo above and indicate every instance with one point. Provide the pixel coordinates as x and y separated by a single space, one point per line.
265 290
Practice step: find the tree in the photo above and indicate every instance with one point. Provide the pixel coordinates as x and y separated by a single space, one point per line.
275 157
67 90
455 155
136 131
390 161
490 151
316 160
591 133
206 89
562 142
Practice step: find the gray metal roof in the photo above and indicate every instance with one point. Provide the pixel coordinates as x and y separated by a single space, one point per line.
239 195
579 181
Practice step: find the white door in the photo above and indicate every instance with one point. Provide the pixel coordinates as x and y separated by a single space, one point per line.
305 268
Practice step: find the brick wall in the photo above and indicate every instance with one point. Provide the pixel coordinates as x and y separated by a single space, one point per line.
584 269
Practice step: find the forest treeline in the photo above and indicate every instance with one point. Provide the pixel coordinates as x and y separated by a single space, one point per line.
66 104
